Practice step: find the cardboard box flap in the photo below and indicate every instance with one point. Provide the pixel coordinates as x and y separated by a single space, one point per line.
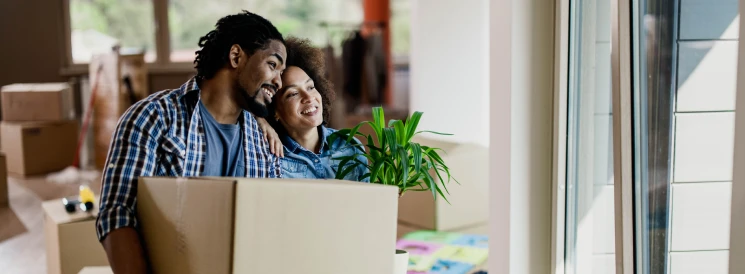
469 200
187 223
56 212
314 227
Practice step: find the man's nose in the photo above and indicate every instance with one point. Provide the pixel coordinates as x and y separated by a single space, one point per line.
277 80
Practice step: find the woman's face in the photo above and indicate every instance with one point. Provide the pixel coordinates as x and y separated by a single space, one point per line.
298 104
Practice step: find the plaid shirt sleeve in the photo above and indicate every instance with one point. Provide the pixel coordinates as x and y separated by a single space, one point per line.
132 154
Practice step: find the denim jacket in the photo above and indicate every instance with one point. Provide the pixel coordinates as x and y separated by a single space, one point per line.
302 163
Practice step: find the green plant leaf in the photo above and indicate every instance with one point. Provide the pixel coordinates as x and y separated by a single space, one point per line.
401 134
411 124
417 155
405 168
379 122
434 132
375 170
343 166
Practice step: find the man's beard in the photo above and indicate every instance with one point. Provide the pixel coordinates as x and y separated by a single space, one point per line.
257 108
251 104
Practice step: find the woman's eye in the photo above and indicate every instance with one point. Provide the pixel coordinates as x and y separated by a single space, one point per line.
311 88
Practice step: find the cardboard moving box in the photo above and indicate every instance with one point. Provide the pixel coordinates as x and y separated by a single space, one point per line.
37 102
469 203
71 239
240 225
33 148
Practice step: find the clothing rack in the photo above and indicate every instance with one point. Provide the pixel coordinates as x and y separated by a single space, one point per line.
331 27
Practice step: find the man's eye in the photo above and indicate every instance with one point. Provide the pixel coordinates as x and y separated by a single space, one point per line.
273 65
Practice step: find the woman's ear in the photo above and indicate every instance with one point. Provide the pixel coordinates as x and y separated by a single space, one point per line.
235 55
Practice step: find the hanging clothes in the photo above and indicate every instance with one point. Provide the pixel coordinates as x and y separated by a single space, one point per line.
375 68
352 58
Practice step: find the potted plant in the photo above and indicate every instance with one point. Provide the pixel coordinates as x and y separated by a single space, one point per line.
395 159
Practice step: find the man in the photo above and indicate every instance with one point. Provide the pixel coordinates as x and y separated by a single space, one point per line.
207 127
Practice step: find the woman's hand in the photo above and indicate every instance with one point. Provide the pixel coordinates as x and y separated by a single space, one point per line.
270 135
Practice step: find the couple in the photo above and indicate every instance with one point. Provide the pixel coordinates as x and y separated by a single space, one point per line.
254 94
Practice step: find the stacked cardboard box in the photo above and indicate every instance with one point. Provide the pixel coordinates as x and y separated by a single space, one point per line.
39 133
71 242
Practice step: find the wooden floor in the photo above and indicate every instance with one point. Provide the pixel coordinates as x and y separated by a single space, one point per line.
22 248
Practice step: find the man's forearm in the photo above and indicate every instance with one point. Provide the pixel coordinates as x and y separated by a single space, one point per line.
125 252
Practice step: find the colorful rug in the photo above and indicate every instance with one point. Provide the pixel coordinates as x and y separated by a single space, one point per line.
435 252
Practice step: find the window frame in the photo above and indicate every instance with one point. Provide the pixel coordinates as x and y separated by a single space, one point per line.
737 221
559 172
622 126
162 63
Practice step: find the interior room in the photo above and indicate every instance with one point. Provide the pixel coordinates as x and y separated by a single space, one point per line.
453 137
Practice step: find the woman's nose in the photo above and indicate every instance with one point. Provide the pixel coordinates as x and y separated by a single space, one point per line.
306 97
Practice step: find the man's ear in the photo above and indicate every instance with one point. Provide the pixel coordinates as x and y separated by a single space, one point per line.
236 55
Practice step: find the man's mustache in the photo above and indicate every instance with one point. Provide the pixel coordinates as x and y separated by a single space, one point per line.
273 87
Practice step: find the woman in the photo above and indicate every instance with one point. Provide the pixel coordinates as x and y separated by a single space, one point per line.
298 114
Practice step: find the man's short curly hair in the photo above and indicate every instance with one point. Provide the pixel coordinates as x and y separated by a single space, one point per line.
302 54
249 30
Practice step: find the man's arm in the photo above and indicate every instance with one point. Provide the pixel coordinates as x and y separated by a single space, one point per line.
132 154
125 252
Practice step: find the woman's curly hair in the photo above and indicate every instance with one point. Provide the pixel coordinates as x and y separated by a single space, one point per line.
302 54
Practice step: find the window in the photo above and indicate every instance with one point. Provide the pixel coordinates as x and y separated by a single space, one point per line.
674 79
96 25
589 209
683 98
400 27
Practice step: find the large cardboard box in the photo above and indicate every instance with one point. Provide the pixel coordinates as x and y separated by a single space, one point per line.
284 226
4 198
71 240
34 148
468 163
37 102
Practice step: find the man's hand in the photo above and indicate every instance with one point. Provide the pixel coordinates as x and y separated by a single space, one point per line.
125 252
270 135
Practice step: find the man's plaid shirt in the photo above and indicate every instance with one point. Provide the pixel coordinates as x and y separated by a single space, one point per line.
163 135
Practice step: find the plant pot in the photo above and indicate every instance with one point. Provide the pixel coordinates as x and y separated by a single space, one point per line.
401 262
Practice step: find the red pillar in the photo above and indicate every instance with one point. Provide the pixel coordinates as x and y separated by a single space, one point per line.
380 11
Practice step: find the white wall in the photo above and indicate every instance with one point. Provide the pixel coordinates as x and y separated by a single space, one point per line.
521 123
450 68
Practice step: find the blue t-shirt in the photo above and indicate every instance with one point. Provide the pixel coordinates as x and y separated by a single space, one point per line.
224 150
